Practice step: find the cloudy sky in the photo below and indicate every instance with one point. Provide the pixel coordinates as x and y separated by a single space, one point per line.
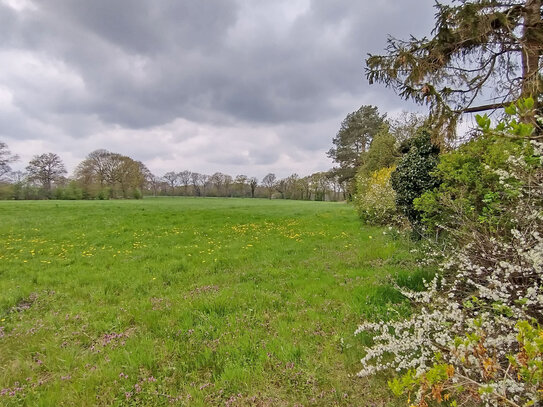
237 86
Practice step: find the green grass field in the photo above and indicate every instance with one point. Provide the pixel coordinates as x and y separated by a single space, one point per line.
192 302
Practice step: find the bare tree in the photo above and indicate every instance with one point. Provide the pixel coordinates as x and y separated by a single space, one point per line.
196 180
172 179
184 178
154 183
6 158
46 169
205 180
269 183
253 183
241 184
96 167
217 181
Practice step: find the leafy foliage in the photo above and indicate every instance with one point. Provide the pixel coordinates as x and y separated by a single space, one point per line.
381 154
375 199
104 174
476 337
476 190
354 138
414 175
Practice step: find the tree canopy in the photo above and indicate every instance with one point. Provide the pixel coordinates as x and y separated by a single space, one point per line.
117 174
480 51
354 138
46 169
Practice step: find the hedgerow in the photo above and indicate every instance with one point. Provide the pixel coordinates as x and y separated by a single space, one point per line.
475 338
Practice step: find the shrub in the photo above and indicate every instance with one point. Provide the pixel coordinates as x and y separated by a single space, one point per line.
414 175
104 193
69 192
475 186
375 198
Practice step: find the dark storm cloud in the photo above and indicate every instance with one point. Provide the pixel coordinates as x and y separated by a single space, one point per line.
293 65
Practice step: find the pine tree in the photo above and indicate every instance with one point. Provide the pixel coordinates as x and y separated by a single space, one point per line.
479 49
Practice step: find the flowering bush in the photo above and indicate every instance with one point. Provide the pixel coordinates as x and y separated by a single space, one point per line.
476 338
375 198
475 188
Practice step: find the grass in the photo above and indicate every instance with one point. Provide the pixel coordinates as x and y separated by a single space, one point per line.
192 302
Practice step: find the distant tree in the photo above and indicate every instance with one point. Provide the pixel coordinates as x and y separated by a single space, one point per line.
227 182
289 187
268 182
172 179
205 180
479 47
319 183
145 177
240 184
105 174
184 178
97 166
217 182
253 183
15 177
131 177
196 181
154 184
281 187
338 188
354 138
305 188
46 169
6 158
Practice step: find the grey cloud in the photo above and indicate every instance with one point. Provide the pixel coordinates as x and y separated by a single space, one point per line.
139 64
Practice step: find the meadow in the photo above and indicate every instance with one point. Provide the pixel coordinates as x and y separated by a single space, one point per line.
204 302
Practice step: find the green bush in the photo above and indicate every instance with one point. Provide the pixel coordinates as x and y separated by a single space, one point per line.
104 194
375 198
474 185
477 187
381 154
414 175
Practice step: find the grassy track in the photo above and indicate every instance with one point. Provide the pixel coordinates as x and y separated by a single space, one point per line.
190 301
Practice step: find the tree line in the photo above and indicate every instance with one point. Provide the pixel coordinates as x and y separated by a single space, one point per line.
107 175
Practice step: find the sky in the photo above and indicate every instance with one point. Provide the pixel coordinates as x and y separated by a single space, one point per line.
236 86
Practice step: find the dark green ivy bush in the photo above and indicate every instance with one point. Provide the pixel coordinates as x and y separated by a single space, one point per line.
414 176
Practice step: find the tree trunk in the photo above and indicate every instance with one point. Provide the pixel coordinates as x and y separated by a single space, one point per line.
532 40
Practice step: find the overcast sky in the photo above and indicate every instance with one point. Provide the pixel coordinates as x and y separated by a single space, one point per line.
237 86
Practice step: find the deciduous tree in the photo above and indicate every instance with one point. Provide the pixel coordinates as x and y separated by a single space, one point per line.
268 182
6 158
253 183
184 179
46 169
172 178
